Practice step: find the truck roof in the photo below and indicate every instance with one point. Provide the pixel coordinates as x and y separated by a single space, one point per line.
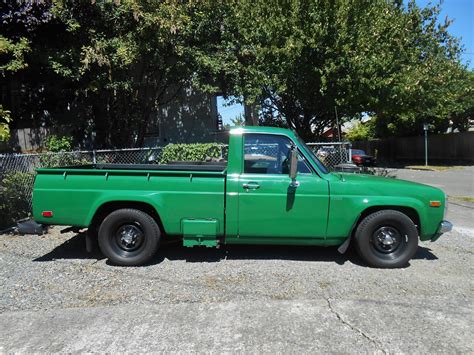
260 129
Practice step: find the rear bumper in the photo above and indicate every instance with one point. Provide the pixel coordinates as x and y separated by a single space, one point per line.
444 227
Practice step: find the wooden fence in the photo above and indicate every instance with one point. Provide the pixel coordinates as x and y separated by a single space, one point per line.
442 148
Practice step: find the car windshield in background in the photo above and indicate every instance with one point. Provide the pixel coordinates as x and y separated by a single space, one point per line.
308 151
358 152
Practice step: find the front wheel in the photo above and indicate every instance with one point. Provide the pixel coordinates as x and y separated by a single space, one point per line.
129 237
386 239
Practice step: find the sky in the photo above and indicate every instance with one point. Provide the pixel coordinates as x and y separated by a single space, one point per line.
229 112
461 11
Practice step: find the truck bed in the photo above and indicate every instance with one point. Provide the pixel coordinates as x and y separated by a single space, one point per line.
178 192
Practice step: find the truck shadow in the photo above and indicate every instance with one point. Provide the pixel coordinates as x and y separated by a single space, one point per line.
252 252
74 248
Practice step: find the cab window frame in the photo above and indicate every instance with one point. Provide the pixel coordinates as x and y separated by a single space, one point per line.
301 155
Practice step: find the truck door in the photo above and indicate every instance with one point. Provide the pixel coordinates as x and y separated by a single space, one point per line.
270 209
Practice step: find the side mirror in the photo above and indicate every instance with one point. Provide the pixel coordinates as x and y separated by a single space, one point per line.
293 163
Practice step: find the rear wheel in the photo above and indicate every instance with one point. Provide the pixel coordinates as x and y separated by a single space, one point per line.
129 237
386 239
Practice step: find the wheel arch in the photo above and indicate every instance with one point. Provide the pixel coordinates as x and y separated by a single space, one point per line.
408 211
108 207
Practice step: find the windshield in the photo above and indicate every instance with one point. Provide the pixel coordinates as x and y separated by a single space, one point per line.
310 153
357 152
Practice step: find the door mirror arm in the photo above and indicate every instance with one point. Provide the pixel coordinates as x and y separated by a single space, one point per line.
293 167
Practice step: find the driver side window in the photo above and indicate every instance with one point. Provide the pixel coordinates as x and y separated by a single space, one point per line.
269 154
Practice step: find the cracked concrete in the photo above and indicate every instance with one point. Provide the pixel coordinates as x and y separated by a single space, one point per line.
355 329
340 326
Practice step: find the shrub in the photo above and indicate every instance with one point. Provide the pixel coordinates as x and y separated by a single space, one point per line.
15 196
60 153
59 144
361 131
53 160
379 172
190 152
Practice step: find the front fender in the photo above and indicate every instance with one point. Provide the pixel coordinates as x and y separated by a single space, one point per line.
346 210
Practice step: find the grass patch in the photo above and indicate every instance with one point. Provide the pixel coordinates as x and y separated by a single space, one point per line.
462 199
434 167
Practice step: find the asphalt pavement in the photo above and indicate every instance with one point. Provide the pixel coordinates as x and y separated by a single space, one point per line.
456 183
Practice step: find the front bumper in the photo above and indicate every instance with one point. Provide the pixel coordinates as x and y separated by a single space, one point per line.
444 227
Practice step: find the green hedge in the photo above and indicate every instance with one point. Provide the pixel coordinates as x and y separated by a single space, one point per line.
190 152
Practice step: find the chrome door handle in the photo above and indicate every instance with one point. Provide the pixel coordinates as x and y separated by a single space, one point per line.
251 186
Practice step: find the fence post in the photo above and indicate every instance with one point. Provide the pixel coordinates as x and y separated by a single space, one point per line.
94 159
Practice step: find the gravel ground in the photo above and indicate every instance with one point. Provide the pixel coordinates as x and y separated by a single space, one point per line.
48 277
55 271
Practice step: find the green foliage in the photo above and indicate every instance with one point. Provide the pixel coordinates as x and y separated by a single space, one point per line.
301 59
13 60
14 196
463 111
15 54
378 172
104 68
59 144
238 121
60 159
126 59
60 153
190 152
361 131
5 119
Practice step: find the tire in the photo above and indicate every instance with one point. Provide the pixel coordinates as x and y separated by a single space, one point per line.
386 239
129 237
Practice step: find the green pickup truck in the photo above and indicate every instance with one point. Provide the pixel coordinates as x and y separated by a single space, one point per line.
272 190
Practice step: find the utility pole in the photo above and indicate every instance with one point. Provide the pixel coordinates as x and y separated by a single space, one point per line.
338 127
425 128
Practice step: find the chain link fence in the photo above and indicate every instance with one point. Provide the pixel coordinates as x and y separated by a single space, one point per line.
332 154
17 171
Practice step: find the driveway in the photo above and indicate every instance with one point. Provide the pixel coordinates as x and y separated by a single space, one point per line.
457 183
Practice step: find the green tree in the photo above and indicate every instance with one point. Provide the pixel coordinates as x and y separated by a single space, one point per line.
463 113
101 69
238 121
13 60
98 69
361 131
5 120
127 59
301 59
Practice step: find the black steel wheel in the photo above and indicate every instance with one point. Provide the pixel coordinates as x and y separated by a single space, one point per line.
129 237
386 239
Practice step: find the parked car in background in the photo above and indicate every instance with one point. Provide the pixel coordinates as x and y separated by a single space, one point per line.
332 155
325 151
360 158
